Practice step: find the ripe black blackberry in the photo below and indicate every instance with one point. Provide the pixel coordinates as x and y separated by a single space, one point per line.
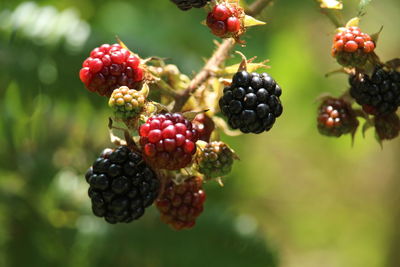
188 4
121 185
378 94
252 102
336 117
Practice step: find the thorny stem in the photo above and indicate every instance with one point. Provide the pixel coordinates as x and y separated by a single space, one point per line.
219 56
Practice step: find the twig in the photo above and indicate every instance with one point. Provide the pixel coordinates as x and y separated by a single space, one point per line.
219 56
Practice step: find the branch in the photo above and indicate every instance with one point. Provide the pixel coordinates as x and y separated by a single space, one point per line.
219 56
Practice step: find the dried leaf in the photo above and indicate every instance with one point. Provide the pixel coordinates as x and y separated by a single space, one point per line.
221 124
394 63
368 124
190 115
331 4
249 21
353 22
145 90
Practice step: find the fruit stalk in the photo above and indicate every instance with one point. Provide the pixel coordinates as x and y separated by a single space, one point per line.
219 56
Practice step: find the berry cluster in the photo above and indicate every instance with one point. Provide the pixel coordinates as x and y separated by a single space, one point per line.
336 117
351 47
226 20
252 102
110 67
181 204
168 141
378 94
215 160
122 186
126 103
188 4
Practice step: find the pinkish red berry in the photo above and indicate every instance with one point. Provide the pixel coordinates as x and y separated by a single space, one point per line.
350 46
233 24
225 20
110 67
221 12
169 141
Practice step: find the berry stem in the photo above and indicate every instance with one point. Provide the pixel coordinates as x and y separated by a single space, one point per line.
333 16
219 56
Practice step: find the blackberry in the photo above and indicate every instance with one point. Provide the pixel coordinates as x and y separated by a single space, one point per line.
378 94
351 47
180 205
204 126
127 103
110 67
168 141
122 186
226 20
252 102
216 160
188 4
336 117
387 127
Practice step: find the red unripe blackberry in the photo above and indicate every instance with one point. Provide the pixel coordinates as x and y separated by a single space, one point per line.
233 24
204 126
110 67
226 20
378 94
122 185
188 4
221 12
351 47
180 205
252 102
336 117
168 141
387 127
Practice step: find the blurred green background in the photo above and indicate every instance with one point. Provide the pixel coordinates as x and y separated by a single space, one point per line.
296 199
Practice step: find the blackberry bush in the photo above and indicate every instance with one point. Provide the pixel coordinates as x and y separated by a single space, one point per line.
336 117
379 93
252 102
181 204
374 85
165 118
122 186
